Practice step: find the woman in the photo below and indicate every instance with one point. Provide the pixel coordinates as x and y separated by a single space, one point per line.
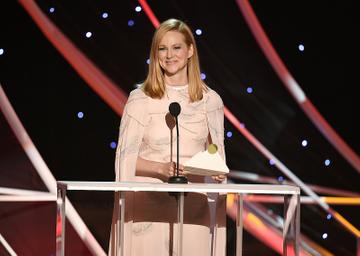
143 152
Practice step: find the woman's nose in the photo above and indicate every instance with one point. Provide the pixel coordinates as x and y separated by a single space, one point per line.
169 54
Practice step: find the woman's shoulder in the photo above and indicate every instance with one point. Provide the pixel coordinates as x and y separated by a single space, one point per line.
137 94
136 104
213 100
137 97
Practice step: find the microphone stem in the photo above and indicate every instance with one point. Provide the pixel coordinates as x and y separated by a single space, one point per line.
177 146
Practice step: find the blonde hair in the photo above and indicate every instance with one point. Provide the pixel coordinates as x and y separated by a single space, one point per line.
154 85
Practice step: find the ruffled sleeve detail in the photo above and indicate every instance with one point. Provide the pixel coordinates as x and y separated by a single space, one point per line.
133 122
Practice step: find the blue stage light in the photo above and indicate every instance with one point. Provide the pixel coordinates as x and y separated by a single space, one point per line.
138 8
301 47
249 90
80 115
105 15
202 76
229 134
1 51
304 143
113 145
198 32
327 162
131 23
51 9
88 34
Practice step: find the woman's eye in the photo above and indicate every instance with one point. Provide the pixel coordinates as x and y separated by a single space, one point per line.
162 48
177 47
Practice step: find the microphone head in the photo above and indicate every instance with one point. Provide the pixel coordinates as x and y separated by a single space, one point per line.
174 109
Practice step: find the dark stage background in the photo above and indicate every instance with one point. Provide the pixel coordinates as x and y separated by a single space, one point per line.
48 94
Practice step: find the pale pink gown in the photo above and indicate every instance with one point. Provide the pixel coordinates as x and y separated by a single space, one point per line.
150 217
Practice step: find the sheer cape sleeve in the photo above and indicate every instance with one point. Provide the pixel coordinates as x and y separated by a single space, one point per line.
133 122
215 118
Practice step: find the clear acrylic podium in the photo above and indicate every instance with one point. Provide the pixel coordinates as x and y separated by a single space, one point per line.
291 228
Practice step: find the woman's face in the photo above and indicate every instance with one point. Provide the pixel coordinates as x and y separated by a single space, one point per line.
174 53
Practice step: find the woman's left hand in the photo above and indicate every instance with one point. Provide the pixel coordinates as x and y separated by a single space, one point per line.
218 178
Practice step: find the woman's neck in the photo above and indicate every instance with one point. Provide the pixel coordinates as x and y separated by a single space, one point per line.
176 80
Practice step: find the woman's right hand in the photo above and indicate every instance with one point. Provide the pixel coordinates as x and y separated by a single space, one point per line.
157 170
169 169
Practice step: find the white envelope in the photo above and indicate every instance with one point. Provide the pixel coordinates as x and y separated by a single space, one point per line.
206 164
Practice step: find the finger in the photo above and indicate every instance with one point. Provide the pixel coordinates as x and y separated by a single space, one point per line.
181 167
172 172
172 166
218 178
182 172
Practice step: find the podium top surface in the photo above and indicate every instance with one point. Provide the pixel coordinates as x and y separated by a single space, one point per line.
166 187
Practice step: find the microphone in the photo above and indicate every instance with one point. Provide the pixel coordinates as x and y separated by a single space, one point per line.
175 109
170 122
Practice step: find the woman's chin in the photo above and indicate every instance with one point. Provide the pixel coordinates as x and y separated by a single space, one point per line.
171 72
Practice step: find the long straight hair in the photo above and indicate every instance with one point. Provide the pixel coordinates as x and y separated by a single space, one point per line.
154 85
